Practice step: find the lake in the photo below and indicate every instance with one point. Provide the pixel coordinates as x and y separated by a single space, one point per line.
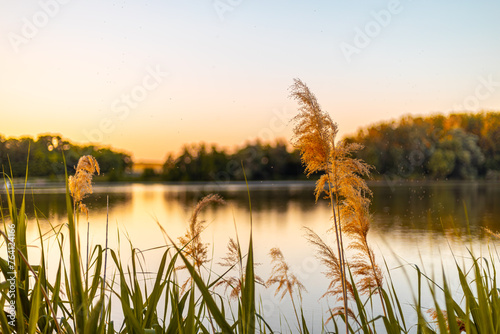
412 223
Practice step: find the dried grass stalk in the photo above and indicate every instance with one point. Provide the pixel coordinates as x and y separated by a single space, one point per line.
285 279
191 242
80 185
342 182
231 260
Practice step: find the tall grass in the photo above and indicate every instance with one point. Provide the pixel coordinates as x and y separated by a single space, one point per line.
78 300
343 185
155 303
82 294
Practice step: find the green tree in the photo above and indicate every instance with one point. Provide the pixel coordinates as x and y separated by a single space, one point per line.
271 161
459 152
459 146
442 163
45 156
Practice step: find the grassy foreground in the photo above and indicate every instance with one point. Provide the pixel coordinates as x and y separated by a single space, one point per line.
81 295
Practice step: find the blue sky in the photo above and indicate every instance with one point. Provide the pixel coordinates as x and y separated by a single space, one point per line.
148 76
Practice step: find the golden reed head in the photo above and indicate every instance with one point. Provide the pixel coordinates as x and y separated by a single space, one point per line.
80 185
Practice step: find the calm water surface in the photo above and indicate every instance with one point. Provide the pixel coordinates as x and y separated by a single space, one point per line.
412 223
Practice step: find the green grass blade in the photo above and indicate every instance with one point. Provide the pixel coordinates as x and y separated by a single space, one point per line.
176 321
207 297
97 265
4 322
67 326
362 317
35 304
391 322
79 302
305 330
450 309
131 323
470 300
189 322
482 299
156 293
248 293
248 309
56 300
95 315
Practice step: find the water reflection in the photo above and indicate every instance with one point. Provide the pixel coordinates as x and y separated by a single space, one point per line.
52 204
417 207
436 206
413 221
266 196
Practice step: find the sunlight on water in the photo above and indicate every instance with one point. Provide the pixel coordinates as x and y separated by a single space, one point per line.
412 224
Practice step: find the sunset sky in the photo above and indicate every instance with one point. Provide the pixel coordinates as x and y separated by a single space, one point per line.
148 76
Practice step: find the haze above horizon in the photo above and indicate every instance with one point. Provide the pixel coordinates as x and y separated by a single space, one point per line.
150 76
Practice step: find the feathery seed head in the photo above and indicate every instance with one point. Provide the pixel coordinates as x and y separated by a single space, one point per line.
232 259
80 185
283 276
89 164
314 132
233 254
343 184
192 239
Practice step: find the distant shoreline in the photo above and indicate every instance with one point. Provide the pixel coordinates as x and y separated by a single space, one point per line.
47 186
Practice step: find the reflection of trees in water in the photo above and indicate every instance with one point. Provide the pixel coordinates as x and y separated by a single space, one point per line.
277 197
419 206
436 205
53 205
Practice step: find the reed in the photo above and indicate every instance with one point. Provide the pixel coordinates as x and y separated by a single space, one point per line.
286 280
193 247
154 302
341 182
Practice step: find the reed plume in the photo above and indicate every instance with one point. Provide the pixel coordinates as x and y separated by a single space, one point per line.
314 136
191 242
314 132
285 279
329 259
234 259
80 185
435 314
363 265
233 255
342 183
282 275
490 232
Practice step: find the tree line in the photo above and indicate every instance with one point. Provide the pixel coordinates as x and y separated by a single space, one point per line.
261 161
458 146
46 157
